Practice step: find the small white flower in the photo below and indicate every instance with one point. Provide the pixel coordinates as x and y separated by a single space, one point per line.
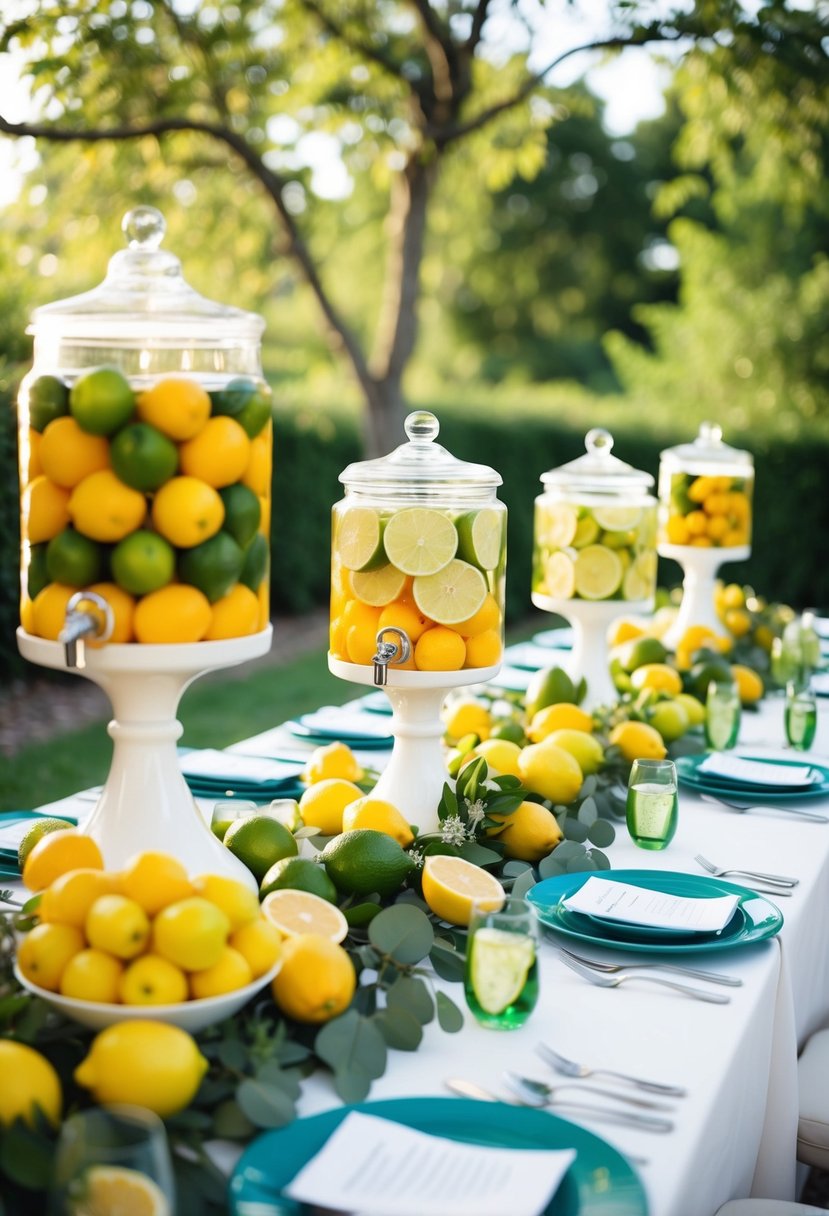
476 812
453 830
417 857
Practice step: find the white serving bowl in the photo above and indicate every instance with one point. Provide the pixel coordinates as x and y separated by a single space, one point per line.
188 1015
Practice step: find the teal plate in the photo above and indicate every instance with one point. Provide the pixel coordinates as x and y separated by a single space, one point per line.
754 920
363 743
688 774
600 1182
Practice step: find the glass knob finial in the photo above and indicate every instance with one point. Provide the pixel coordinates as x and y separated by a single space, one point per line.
144 227
598 441
709 432
421 427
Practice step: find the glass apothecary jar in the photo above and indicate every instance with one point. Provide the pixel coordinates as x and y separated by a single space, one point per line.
419 545
595 530
145 444
705 493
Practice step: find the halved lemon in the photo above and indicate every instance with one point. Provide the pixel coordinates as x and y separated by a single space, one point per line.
598 572
359 539
586 533
297 912
556 525
378 587
560 576
452 595
499 965
420 540
113 1188
617 519
451 886
479 537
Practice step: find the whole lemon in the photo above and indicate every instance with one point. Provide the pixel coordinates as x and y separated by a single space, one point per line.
232 971
68 900
500 754
29 1081
260 943
638 741
586 749
239 904
322 804
143 1063
467 717
56 854
191 933
316 980
152 980
333 760
658 676
92 975
749 683
530 832
117 925
155 880
550 771
379 815
562 716
45 952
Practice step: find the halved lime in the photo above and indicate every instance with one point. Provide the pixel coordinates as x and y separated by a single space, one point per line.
378 587
598 572
420 540
617 519
560 576
556 525
639 582
479 537
359 539
452 595
586 533
501 962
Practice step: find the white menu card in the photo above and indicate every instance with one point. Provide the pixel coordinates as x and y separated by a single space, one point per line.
632 905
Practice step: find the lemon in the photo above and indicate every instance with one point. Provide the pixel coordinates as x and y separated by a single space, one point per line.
598 572
92 975
376 813
484 650
175 613
219 454
29 1081
235 615
177 407
316 980
641 651
260 943
118 925
67 454
258 841
154 880
301 912
639 582
670 718
421 541
693 707
530 832
363 861
44 509
322 804
551 772
586 533
45 952
332 760
48 398
191 933
237 901
404 614
359 539
561 716
440 649
68 899
500 754
617 519
48 611
658 676
486 618
123 609
259 471
466 716
104 509
586 749
499 964
299 874
555 525
230 972
480 536
187 511
101 400
108 1189
624 629
749 684
452 595
153 980
451 886
143 1063
142 562
58 852
638 741
40 828
559 577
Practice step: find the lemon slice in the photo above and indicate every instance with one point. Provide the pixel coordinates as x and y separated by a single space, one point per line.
451 886
586 532
499 967
420 540
598 572
295 912
359 539
617 519
452 595
113 1188
479 537
560 576
556 525
639 582
378 587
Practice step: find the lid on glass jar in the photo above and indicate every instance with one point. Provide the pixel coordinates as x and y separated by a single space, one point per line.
420 467
599 471
708 450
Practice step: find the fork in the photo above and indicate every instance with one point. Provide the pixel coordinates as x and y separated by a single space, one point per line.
778 880
531 1096
603 980
713 977
569 1068
742 807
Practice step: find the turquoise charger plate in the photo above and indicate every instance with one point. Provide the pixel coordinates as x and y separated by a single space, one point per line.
687 770
600 1182
755 919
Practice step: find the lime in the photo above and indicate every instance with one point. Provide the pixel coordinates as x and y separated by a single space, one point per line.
143 562
256 412
299 874
560 576
259 841
598 572
74 559
233 398
101 401
243 512
617 519
670 718
586 533
213 566
479 537
378 587
255 562
142 457
511 731
555 526
359 539
499 967
640 651
363 861
452 595
48 400
549 686
421 540
639 582
42 827
37 576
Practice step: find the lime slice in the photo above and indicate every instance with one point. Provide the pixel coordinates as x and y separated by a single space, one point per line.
586 532
479 537
639 582
378 587
452 595
560 577
556 525
617 519
359 539
501 963
598 573
420 540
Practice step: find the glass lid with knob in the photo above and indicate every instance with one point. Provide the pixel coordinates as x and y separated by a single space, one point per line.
705 493
419 545
595 530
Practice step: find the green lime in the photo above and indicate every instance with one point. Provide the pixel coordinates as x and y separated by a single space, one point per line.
101 401
598 572
143 562
420 540
39 829
639 651
37 576
256 411
670 718
480 536
452 595
48 400
74 559
499 967
363 861
549 686
213 566
708 669
255 562
259 841
512 731
299 874
142 457
243 512
359 539
233 398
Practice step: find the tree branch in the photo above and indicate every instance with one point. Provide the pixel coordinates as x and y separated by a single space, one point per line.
478 21
357 45
440 51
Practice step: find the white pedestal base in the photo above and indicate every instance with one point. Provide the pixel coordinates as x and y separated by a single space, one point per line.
700 568
414 777
146 803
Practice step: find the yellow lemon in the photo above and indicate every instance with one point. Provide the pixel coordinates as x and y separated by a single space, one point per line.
257 473
103 508
551 772
658 676
360 623
177 407
92 975
153 980
191 933
260 943
68 454
237 901
322 804
484 650
33 467
187 511
404 614
118 925
501 755
58 853
123 608
586 749
45 952
316 980
232 971
49 610
333 760
154 880
68 899
748 682
693 707
29 1082
638 741
143 1063
624 630
176 613
380 816
451 886
529 833
562 716
219 454
235 615
440 649
487 618
44 509
466 717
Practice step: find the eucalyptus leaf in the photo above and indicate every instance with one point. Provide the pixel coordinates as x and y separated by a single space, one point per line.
411 994
361 915
574 830
478 854
368 957
286 1079
577 865
601 833
523 884
567 848
548 867
351 1043
400 1028
588 787
404 933
266 1105
412 899
450 1017
449 964
513 869
353 1084
599 860
231 1123
365 1000
232 1055
588 812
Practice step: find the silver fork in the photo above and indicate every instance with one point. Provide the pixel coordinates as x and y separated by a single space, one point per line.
694 973
603 980
531 1096
742 807
570 1068
541 1089
777 880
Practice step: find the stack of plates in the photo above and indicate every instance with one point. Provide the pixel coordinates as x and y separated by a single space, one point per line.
218 775
784 779
360 730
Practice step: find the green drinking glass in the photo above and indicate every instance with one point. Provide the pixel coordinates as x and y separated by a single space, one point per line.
652 803
722 715
501 981
800 716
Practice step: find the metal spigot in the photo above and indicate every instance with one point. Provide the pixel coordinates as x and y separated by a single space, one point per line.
390 653
88 615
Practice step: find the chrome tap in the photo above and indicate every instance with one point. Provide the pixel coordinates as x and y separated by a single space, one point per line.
88 615
390 653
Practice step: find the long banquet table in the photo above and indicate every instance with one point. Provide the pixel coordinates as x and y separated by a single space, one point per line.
735 1132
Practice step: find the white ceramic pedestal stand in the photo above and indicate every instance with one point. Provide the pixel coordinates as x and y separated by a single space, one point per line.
414 777
700 568
146 803
591 620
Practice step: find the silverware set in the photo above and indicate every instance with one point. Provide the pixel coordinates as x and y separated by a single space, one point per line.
633 974
742 807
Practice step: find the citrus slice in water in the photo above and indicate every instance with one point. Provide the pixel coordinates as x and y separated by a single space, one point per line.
420 540
114 1188
479 537
617 519
586 533
378 587
451 886
359 539
556 525
560 576
640 578
296 912
598 572
499 967
452 595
